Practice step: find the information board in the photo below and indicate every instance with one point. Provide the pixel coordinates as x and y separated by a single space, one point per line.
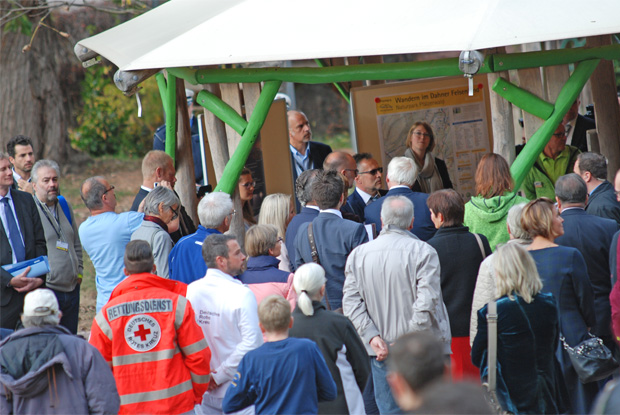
383 114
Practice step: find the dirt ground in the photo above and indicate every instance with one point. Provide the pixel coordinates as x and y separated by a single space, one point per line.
126 177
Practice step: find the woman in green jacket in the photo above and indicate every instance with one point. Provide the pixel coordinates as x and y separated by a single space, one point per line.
486 213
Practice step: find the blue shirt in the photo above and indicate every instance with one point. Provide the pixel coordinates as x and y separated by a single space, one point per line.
288 376
185 260
303 162
104 238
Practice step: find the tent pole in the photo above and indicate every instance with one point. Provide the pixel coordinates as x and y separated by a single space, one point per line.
230 175
526 159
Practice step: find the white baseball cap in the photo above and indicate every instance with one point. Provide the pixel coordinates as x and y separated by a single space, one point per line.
40 302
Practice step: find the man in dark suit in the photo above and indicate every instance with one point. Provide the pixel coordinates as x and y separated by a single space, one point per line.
602 200
592 236
309 211
367 184
305 154
576 127
401 175
344 163
158 170
21 238
334 236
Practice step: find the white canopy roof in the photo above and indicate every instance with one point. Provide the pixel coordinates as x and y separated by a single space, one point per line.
182 33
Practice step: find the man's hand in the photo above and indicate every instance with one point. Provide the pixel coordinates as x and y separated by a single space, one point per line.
379 347
24 186
167 184
212 384
21 280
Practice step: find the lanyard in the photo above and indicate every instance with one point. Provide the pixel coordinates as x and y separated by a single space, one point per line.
54 221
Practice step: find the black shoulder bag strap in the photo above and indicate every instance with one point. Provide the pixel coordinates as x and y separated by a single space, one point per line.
313 251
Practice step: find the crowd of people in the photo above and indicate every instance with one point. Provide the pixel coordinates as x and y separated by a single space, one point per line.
366 301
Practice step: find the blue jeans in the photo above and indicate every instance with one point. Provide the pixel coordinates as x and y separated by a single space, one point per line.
69 304
383 394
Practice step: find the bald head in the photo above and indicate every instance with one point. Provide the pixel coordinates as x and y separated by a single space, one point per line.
344 163
98 195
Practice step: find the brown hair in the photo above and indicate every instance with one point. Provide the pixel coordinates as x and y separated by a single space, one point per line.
493 176
450 204
246 209
537 218
431 144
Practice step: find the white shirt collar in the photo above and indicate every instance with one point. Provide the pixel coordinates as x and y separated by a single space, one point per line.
145 188
313 207
400 186
214 272
365 196
332 211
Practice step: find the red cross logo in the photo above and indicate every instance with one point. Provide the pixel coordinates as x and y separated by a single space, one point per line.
142 332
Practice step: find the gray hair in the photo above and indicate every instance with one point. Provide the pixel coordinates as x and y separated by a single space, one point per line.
4 156
43 163
96 189
159 195
513 219
402 170
138 257
397 211
308 280
571 188
594 163
303 186
215 245
41 321
213 209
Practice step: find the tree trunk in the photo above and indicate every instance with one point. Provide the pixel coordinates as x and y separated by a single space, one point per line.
36 91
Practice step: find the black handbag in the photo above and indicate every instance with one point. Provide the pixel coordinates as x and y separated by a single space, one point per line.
591 359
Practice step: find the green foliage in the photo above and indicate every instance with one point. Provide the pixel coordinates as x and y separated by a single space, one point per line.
340 141
108 122
20 24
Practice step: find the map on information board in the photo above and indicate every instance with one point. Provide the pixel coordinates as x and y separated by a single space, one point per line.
458 122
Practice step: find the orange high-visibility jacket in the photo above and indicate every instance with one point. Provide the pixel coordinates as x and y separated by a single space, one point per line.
148 334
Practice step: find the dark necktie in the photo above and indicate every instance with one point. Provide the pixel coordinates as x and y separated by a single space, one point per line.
14 235
373 198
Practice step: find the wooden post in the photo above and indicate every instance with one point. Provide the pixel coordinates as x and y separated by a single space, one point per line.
502 120
185 186
216 134
606 108
530 80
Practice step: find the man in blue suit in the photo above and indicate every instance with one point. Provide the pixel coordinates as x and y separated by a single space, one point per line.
401 175
334 236
309 211
367 184
602 201
592 236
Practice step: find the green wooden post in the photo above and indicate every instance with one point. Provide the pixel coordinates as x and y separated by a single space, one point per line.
339 87
233 168
222 110
535 145
171 116
523 99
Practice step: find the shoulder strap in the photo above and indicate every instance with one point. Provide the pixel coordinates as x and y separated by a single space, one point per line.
65 208
479 240
313 251
492 343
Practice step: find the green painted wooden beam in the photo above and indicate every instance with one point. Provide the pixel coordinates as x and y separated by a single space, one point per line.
535 145
523 99
230 175
184 73
332 74
222 110
161 84
509 61
171 116
339 87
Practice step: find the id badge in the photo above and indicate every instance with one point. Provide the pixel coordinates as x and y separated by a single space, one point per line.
63 246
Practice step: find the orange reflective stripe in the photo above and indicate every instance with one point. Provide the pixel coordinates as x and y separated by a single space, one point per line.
103 325
157 395
180 311
194 348
130 359
200 378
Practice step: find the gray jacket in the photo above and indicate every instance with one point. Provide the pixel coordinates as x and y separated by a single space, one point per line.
392 287
161 244
47 370
65 265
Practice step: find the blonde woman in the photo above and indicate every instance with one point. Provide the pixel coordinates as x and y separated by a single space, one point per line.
337 339
432 171
528 376
278 210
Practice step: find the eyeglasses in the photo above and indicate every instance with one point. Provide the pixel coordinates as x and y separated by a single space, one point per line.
372 172
175 212
356 171
232 213
249 184
421 134
559 135
280 240
111 188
